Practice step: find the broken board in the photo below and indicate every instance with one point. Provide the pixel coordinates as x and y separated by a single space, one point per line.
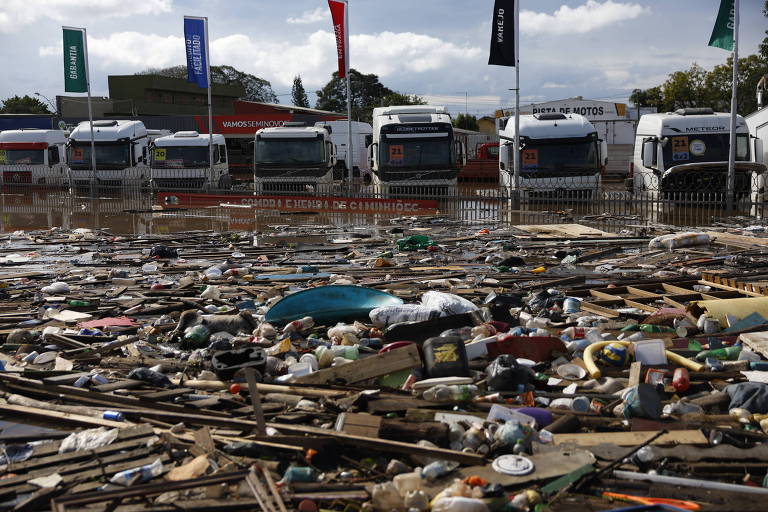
631 438
563 231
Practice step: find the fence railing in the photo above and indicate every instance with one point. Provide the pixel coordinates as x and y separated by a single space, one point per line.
680 199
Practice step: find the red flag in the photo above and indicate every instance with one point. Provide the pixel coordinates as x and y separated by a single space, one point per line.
338 14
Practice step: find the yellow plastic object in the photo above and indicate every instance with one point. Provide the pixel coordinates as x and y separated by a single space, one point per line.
595 373
538 270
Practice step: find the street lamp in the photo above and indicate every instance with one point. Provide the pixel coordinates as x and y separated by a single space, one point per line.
55 110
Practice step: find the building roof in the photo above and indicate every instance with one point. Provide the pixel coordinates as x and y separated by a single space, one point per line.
258 107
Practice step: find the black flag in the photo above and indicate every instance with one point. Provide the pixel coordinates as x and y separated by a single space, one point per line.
503 34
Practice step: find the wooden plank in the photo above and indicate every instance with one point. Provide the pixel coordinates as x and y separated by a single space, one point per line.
360 424
253 391
58 416
631 438
599 310
366 368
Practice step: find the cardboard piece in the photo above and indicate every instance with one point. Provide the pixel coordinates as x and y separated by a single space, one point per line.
741 307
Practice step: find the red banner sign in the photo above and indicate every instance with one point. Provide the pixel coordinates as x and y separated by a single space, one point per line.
338 8
302 203
243 124
23 145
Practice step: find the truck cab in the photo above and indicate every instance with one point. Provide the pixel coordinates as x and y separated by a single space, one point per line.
361 139
682 153
182 160
560 155
33 156
121 154
293 160
413 151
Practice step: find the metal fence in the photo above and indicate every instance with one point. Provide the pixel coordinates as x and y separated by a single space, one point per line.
684 199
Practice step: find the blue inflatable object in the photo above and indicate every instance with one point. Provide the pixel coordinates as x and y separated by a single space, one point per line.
330 304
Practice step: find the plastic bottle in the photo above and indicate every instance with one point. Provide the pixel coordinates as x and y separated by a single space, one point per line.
407 482
459 504
384 496
212 272
299 325
145 473
211 293
416 500
722 354
574 333
455 393
680 379
437 469
79 303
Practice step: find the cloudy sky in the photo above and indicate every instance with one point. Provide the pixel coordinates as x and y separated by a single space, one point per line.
598 49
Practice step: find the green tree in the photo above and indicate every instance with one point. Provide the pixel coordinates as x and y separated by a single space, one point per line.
652 97
685 89
466 122
298 94
719 80
23 105
367 92
256 89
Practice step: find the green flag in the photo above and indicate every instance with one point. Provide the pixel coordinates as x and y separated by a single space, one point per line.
74 60
722 33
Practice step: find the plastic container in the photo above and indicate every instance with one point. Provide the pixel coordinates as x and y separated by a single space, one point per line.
456 393
680 380
445 356
407 482
650 352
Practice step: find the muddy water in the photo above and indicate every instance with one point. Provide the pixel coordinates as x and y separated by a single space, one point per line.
134 212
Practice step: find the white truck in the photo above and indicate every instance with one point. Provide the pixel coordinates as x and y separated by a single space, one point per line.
362 134
561 155
293 160
121 154
683 155
181 160
33 156
413 151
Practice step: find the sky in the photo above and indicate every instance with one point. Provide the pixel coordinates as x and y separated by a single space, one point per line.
437 49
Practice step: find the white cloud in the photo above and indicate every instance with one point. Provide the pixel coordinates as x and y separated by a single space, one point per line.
314 58
307 17
553 85
16 13
584 18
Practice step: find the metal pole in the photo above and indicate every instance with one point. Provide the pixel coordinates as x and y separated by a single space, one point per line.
90 111
732 141
516 196
350 150
210 103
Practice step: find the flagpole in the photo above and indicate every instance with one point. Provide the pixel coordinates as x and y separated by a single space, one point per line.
90 109
350 150
516 153
210 103
731 190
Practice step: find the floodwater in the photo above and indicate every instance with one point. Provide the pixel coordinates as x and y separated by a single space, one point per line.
136 212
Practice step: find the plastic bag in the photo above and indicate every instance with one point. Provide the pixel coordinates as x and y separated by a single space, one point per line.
415 242
389 315
505 374
88 439
145 473
447 303
149 376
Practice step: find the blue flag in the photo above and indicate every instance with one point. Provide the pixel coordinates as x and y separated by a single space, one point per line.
197 53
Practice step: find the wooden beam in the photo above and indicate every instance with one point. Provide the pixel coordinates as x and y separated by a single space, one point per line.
366 368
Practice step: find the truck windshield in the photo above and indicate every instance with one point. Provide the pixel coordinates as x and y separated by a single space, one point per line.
702 147
180 156
289 151
22 156
545 156
416 153
108 156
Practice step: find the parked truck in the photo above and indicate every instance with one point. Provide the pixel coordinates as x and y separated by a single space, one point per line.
33 156
413 152
684 155
484 166
361 139
560 156
182 160
121 154
293 160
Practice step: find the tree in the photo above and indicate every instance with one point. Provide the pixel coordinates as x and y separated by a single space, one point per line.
367 93
466 122
256 89
298 94
25 105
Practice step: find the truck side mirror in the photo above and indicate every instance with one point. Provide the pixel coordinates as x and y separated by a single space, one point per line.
759 151
372 153
604 153
649 153
463 154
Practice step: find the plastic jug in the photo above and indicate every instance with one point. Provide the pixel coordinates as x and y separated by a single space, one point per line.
445 356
